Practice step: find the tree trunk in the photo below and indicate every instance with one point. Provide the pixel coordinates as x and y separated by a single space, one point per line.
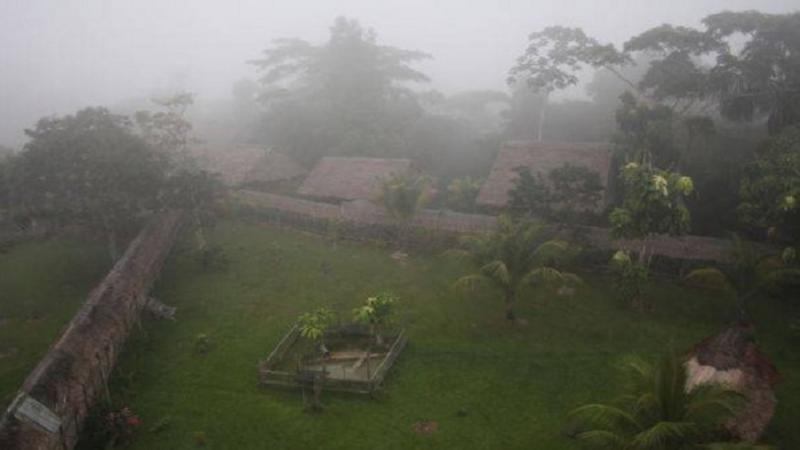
741 305
510 315
541 119
199 235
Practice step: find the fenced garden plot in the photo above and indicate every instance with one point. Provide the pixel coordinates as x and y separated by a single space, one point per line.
354 362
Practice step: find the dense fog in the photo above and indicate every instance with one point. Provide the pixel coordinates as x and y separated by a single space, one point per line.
60 55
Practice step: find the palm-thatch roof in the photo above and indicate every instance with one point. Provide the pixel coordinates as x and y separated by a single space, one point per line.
541 158
344 178
251 165
733 359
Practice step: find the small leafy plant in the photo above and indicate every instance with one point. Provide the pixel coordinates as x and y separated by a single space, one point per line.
312 326
377 312
202 343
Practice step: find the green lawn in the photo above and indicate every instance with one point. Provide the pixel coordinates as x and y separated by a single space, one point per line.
42 284
512 385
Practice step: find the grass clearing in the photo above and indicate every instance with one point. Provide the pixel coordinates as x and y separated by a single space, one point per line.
487 384
42 285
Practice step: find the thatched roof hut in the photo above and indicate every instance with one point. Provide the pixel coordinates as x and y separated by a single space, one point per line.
252 165
540 157
733 359
343 178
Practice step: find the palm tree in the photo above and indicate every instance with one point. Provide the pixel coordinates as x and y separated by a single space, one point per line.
658 412
753 270
516 254
403 195
461 193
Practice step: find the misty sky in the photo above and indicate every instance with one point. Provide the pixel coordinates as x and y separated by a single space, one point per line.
59 55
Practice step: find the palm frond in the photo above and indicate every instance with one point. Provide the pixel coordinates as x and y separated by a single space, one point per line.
708 278
552 250
604 417
602 439
551 276
710 404
471 282
496 270
663 434
737 446
780 277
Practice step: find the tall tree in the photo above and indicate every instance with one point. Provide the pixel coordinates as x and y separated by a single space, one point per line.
169 131
553 57
755 73
742 64
347 96
88 168
770 189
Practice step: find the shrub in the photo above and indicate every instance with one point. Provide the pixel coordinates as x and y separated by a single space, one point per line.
202 343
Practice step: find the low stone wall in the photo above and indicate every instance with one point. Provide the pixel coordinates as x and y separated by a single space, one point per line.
693 248
59 393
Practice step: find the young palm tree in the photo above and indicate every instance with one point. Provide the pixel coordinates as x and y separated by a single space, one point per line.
658 413
516 254
752 271
403 195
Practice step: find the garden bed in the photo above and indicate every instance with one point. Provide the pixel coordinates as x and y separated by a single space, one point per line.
355 363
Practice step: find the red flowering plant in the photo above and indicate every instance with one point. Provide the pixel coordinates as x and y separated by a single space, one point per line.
121 424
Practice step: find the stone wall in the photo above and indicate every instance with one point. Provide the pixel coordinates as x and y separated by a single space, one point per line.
60 391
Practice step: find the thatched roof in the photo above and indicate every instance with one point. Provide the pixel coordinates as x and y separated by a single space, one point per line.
733 359
246 165
539 157
350 178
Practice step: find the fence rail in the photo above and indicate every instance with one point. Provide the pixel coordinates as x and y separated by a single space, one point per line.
697 248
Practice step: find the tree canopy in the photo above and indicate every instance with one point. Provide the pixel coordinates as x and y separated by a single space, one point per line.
348 96
744 65
88 168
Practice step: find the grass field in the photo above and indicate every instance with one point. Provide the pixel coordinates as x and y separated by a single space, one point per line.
42 284
488 385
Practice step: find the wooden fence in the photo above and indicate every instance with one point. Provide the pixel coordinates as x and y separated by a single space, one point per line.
696 248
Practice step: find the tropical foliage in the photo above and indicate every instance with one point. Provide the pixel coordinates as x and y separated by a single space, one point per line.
347 96
631 278
657 412
753 269
377 312
517 254
770 189
312 326
569 193
89 168
403 194
754 73
461 193
652 203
